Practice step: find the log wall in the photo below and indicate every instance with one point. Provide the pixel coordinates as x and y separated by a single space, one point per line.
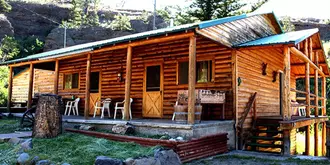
43 83
250 71
112 62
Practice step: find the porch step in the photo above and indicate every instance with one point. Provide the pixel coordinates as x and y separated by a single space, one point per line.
266 138
265 145
268 131
267 124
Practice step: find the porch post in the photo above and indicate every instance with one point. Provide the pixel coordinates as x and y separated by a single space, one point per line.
316 89
308 102
287 98
192 80
88 84
10 88
128 83
56 77
30 92
286 142
324 114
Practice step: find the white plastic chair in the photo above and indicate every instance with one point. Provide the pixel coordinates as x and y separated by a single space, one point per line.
72 105
106 105
121 108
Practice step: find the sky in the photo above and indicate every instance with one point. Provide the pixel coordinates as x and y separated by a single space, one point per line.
293 8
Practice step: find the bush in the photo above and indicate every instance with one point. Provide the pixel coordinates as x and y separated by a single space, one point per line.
121 22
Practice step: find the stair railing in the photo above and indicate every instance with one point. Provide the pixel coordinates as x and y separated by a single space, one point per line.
242 119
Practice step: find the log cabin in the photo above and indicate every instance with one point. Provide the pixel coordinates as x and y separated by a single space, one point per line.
248 57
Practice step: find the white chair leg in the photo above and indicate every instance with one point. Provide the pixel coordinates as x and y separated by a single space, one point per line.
102 113
77 110
94 112
173 117
69 111
114 115
130 114
108 112
122 112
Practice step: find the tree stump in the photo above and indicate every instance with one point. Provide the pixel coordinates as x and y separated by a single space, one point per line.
48 119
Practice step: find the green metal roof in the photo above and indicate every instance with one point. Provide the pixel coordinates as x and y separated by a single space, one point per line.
285 38
96 45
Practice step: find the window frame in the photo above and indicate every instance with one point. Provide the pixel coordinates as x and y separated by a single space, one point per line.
64 75
212 72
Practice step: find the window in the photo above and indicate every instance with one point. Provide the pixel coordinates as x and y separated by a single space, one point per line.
71 81
203 72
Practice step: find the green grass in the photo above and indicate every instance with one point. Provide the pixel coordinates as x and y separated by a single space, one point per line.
75 149
8 125
69 147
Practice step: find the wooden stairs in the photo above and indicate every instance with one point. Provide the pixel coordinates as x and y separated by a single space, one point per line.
266 136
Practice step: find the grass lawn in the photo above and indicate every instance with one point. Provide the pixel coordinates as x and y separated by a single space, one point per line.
73 148
9 125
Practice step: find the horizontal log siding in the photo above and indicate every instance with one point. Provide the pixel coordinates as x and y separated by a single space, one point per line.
250 71
43 83
112 62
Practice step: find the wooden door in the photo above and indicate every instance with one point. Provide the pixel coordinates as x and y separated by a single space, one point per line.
95 91
153 91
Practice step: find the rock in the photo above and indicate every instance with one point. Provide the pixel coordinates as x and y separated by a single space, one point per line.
179 138
43 162
139 26
35 160
15 140
129 161
172 139
103 160
87 128
5 28
167 157
65 164
27 145
146 161
123 129
23 159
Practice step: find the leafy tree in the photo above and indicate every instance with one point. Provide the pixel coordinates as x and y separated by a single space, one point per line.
4 7
121 22
178 14
144 16
257 5
9 48
3 85
287 25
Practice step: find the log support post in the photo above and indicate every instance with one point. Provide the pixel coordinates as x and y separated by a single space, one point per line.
88 84
286 143
30 91
56 77
324 138
286 98
324 96
192 80
128 83
307 88
10 89
307 139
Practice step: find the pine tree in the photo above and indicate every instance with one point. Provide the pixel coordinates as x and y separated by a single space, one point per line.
212 9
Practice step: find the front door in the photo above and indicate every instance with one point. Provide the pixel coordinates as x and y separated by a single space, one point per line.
153 91
95 91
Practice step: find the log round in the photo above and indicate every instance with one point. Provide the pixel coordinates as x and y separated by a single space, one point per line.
48 119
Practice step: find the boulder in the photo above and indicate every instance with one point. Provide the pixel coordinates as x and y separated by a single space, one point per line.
23 159
43 162
87 128
123 129
144 161
35 160
15 140
167 157
103 160
27 145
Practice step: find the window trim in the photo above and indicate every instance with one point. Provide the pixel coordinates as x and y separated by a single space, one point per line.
64 74
178 61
